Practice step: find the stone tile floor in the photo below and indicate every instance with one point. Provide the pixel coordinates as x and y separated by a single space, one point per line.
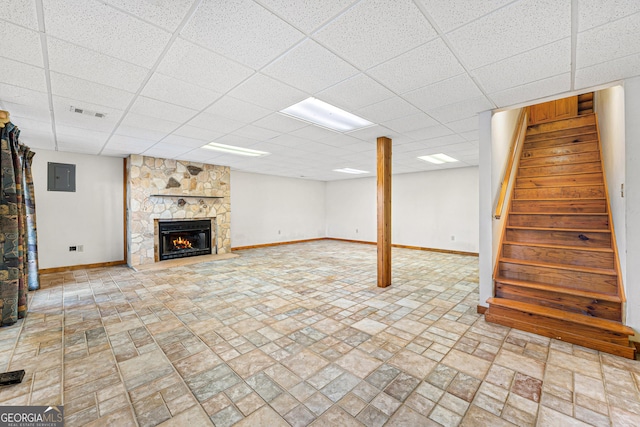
300 335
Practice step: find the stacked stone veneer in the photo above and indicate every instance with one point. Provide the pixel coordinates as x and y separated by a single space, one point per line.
149 177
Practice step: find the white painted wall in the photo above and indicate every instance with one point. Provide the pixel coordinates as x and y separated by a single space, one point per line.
609 105
92 216
271 209
427 209
632 196
496 133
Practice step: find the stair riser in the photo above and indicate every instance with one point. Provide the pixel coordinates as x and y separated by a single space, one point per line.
558 141
566 278
560 206
579 168
559 129
592 191
568 159
560 181
539 325
575 304
562 150
590 222
552 237
559 255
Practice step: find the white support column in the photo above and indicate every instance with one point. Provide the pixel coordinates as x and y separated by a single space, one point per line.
485 247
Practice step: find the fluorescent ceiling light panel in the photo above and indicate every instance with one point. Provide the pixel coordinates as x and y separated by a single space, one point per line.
319 113
230 149
351 171
438 159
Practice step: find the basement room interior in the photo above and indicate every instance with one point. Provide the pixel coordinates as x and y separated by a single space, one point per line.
320 213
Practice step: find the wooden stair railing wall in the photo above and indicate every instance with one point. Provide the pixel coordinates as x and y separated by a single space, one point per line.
557 273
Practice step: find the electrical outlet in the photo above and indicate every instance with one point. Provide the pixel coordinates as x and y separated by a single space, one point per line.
356 231
278 231
453 238
73 248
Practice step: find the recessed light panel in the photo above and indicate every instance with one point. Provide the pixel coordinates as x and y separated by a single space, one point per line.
438 159
231 149
351 171
319 113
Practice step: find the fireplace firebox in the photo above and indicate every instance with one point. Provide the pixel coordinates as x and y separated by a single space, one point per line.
178 239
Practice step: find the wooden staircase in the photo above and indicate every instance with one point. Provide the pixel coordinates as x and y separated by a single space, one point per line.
557 273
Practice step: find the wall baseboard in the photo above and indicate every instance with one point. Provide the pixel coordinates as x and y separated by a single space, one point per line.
81 267
265 245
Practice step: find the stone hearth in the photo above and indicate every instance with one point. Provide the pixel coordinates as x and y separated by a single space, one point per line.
174 189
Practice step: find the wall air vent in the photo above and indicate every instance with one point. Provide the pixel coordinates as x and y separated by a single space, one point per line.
87 112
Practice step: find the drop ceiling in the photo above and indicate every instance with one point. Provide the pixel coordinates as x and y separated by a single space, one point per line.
171 76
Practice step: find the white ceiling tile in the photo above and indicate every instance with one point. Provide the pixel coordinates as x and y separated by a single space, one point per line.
215 123
310 67
461 110
515 28
535 64
280 123
446 92
372 133
289 141
386 110
430 132
341 141
26 97
198 133
164 13
89 65
94 25
472 135
355 93
606 72
163 150
450 14
90 137
21 12
76 145
533 91
20 44
241 30
267 92
23 75
159 109
41 114
592 13
95 93
34 133
608 42
127 144
197 155
426 64
237 140
374 31
169 89
190 143
64 116
257 133
464 125
145 127
315 133
409 123
307 15
236 109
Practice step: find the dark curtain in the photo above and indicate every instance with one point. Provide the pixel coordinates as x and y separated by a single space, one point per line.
18 247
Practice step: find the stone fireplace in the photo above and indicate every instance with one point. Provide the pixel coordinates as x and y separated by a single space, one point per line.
162 191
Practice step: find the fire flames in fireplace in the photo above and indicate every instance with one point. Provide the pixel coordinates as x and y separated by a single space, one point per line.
181 243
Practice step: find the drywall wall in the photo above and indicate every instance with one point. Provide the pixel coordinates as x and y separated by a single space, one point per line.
609 105
271 209
632 196
428 209
91 217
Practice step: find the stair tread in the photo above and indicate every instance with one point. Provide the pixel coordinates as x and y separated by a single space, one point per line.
552 246
558 164
563 198
570 267
609 325
582 230
560 213
558 289
556 174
